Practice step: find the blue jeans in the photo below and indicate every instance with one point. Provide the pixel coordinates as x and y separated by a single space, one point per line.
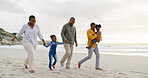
50 59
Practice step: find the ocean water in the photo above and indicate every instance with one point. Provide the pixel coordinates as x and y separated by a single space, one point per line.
138 49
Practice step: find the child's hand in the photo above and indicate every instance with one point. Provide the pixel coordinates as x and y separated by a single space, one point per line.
43 42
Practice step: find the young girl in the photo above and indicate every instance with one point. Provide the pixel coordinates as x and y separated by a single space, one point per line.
52 52
99 36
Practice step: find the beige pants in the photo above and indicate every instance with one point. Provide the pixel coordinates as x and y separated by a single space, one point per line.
68 54
30 49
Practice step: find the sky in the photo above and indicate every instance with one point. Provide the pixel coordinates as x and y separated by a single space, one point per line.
123 21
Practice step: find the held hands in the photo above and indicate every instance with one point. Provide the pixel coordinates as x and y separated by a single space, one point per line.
13 39
43 42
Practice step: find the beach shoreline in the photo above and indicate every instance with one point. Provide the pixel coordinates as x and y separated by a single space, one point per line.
115 66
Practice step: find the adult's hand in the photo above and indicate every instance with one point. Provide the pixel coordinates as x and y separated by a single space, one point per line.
13 39
66 41
43 42
76 45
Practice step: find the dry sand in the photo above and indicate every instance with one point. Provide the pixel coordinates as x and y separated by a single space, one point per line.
115 66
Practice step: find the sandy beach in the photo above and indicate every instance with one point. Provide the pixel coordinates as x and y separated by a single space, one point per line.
115 66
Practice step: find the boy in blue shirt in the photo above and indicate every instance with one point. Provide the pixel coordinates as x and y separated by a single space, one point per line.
52 52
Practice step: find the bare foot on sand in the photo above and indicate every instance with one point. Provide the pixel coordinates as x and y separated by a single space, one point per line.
26 66
50 68
31 71
67 67
62 64
99 69
53 66
79 64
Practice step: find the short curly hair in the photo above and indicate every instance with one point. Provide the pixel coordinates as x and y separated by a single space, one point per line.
98 26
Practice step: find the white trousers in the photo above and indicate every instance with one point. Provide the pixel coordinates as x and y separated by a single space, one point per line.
30 49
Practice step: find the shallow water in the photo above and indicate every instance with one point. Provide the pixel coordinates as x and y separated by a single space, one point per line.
114 49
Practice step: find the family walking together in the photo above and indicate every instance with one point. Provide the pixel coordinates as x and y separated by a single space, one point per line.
31 30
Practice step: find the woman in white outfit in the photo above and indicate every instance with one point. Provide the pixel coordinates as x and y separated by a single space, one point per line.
30 31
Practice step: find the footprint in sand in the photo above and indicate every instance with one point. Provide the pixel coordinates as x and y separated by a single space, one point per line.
3 74
141 74
1 77
86 67
13 69
9 62
56 72
11 74
75 68
123 74
117 72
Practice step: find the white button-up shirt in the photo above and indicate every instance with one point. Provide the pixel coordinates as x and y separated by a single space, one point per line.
30 34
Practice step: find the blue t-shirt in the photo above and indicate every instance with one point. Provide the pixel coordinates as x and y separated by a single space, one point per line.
53 46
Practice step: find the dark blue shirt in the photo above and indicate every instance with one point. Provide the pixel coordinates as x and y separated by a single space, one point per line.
53 46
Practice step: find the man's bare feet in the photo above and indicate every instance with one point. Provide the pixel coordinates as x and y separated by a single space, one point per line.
26 66
62 64
50 68
88 47
79 65
31 71
53 66
68 67
99 69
